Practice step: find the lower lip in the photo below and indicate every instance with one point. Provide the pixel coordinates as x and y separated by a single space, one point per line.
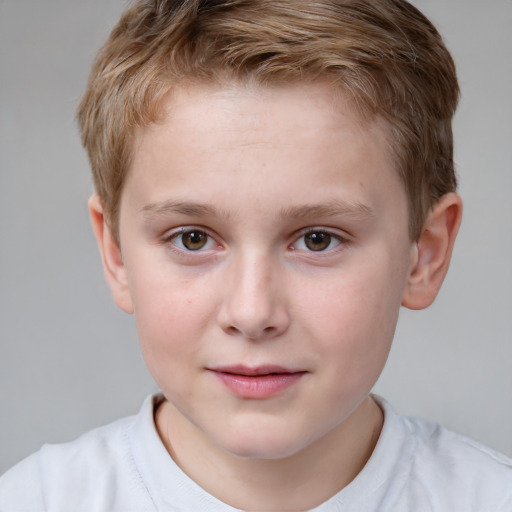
258 386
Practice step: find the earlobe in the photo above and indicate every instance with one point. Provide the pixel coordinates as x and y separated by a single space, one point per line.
432 252
113 266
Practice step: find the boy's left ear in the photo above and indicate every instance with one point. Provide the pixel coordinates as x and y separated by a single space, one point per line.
432 252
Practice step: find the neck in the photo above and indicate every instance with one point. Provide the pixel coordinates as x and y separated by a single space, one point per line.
301 481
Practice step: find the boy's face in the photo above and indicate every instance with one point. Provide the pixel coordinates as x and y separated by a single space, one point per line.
263 231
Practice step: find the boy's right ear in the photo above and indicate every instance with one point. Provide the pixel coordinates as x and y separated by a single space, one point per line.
112 259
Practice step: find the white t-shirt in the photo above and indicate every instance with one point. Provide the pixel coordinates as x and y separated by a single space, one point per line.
124 467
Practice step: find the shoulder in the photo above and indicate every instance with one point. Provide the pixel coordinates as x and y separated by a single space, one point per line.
99 448
78 475
425 467
21 487
452 468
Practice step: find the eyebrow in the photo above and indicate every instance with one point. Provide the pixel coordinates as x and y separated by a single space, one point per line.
333 208
188 208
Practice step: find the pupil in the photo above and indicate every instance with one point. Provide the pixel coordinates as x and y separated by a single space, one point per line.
194 240
317 241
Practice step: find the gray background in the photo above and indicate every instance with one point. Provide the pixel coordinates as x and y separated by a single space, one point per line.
69 359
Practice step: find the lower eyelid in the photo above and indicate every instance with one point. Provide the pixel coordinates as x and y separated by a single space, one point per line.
341 240
208 244
213 243
170 238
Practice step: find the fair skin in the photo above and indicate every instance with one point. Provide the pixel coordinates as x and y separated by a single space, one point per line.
264 251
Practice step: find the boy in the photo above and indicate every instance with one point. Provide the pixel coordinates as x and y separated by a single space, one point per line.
274 179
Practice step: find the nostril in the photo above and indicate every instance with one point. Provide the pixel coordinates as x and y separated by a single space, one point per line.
253 317
251 335
233 331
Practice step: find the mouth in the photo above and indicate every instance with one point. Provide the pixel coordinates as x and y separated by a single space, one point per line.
257 383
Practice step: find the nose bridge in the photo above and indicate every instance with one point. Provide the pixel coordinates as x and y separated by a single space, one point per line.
253 305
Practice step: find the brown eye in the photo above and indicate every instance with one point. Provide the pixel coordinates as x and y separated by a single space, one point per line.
194 240
317 240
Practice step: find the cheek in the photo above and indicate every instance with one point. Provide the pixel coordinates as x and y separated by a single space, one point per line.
353 318
171 314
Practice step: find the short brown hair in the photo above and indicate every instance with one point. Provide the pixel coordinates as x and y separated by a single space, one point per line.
384 53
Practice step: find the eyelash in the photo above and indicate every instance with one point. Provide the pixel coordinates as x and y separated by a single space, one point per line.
175 235
327 236
340 240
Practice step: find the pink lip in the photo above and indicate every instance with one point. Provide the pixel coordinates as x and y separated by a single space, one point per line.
257 383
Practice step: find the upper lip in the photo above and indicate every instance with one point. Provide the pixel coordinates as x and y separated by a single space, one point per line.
254 371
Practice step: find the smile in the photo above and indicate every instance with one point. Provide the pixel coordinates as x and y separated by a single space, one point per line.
257 383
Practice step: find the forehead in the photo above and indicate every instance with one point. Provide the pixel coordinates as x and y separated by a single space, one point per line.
230 99
258 112
243 136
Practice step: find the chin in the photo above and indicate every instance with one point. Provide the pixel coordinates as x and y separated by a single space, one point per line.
263 451
263 443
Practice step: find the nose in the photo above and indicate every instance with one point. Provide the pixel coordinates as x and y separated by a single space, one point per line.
254 302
